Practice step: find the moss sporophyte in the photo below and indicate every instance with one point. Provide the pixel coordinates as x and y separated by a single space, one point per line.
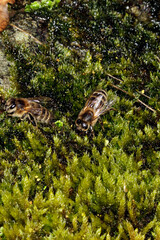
60 183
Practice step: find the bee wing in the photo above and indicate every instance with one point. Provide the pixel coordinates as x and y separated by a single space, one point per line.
41 99
107 106
34 111
99 110
98 105
45 101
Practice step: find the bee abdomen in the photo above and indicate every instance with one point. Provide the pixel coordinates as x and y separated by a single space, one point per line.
98 99
46 116
99 93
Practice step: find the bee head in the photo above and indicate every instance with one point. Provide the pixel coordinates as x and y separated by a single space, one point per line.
10 105
82 125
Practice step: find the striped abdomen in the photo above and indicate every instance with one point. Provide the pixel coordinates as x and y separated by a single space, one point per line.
97 100
41 114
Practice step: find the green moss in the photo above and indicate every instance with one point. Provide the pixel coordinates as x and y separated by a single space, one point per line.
56 182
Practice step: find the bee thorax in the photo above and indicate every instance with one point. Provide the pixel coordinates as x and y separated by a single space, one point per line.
87 116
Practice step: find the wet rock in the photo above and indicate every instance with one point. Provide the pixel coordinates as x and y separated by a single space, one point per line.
4 70
23 29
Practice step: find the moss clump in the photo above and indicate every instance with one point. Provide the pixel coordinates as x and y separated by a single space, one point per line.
56 183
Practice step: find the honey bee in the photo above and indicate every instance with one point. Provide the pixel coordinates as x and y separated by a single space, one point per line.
28 108
96 105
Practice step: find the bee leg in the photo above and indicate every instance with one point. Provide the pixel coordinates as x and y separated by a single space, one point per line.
24 116
101 122
113 109
32 119
92 131
29 117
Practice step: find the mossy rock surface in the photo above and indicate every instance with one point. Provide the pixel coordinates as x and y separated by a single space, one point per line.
57 183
